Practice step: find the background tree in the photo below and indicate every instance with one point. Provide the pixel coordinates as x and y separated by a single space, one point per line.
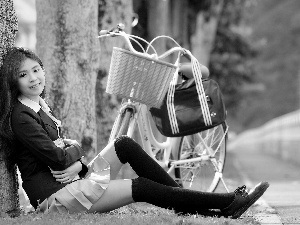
230 59
111 13
67 44
218 43
211 30
273 28
9 201
157 22
205 17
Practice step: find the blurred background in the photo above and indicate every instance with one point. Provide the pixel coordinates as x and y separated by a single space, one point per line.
251 48
254 56
26 13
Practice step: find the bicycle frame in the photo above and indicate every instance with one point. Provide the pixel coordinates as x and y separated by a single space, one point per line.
142 120
148 138
184 159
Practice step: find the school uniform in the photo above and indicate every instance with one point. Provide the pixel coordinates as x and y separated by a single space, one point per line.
36 132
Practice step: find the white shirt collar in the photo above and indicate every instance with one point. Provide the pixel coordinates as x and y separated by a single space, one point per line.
34 105
37 106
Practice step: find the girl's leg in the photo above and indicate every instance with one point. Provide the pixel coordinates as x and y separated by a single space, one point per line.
128 151
124 192
155 186
109 154
232 204
179 199
117 194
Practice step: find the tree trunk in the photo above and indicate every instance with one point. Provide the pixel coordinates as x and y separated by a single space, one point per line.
206 28
179 22
158 21
158 14
111 12
9 199
67 44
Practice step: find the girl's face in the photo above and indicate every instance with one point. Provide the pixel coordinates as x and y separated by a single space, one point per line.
31 79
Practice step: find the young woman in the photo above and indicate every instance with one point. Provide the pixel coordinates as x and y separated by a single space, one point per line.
50 165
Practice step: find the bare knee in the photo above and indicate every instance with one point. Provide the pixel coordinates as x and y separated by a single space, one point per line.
118 194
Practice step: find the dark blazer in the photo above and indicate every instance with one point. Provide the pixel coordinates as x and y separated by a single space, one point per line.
36 152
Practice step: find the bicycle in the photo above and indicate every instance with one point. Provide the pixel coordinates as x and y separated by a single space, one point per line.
197 160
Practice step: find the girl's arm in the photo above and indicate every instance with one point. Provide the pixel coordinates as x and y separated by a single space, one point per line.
28 129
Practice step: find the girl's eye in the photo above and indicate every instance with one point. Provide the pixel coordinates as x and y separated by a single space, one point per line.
37 69
22 74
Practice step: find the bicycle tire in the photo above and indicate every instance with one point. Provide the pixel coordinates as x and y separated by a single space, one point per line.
202 175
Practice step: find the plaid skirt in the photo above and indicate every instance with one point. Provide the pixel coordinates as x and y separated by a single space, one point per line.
80 195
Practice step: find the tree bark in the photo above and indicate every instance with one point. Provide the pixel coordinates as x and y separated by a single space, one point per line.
67 44
158 15
111 12
9 199
179 22
206 28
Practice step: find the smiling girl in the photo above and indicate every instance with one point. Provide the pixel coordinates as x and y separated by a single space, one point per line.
50 165
31 80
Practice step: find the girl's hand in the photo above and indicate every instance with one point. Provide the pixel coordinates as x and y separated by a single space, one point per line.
70 142
67 175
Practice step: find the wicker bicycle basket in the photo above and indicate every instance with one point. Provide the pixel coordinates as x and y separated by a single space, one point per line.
139 77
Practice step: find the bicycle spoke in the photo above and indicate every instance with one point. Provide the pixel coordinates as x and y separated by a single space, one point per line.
209 147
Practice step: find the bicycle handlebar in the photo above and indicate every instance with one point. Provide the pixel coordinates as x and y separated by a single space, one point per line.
120 27
119 31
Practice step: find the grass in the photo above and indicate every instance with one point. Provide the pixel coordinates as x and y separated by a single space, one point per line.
141 213
138 213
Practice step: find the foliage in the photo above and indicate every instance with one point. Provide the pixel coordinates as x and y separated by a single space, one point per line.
275 32
203 5
230 58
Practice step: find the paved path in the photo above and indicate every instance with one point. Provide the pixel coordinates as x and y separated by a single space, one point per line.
282 199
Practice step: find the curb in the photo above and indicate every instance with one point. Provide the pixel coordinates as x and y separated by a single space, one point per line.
263 213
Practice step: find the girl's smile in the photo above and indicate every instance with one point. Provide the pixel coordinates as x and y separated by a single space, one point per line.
35 86
31 79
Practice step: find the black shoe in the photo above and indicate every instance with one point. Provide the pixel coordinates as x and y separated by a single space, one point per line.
243 200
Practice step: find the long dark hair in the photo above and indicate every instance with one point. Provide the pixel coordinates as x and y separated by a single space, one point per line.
9 93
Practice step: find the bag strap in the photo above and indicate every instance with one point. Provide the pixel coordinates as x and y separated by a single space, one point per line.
201 95
170 104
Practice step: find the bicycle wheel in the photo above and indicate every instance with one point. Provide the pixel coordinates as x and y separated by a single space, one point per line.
210 145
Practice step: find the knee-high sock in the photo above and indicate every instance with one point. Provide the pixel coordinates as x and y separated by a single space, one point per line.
128 151
179 199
